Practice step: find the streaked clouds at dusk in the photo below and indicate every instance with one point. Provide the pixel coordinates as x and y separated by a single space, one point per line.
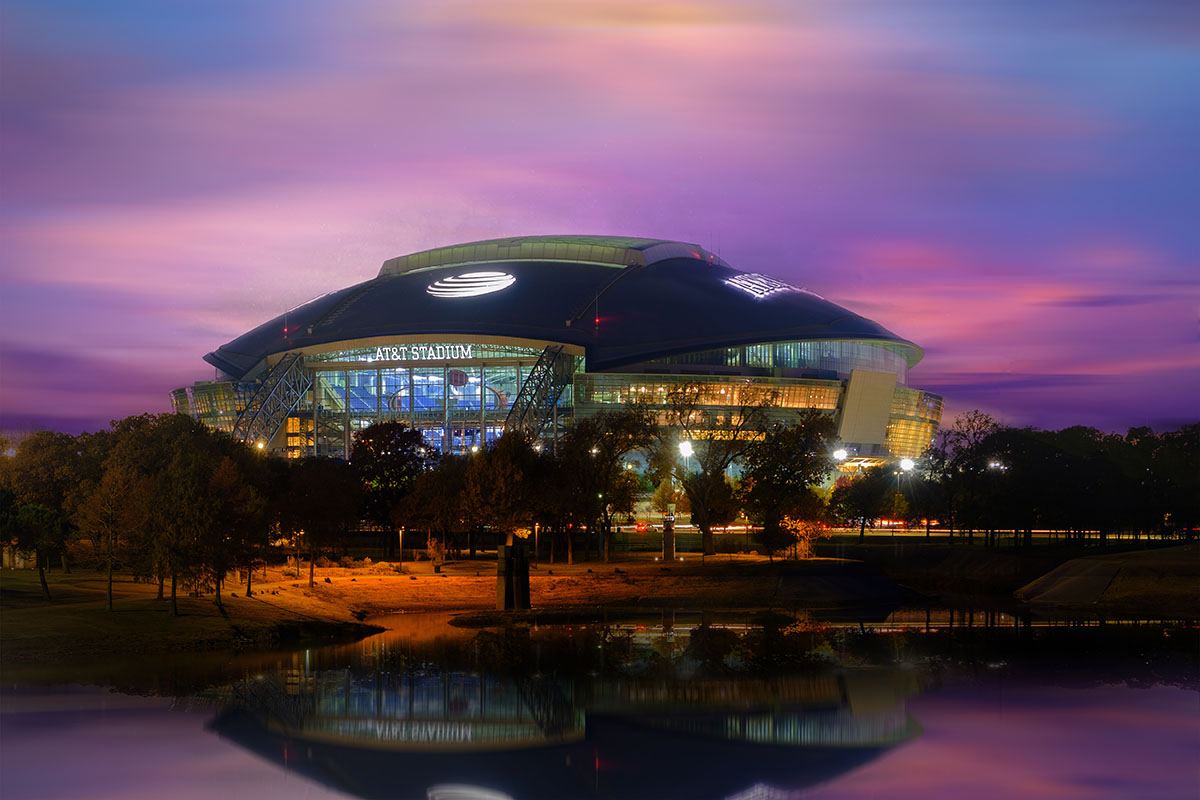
1015 186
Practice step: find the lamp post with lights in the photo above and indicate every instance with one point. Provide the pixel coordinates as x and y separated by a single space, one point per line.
668 528
686 450
905 466
991 536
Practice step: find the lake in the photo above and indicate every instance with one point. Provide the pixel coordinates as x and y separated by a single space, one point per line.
926 703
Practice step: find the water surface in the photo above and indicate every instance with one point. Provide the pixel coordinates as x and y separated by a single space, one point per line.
673 705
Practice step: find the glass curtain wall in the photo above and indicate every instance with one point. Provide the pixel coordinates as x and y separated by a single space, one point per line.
215 403
455 406
821 359
598 392
330 421
913 422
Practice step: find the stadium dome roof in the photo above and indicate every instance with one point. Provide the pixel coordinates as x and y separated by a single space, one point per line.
624 300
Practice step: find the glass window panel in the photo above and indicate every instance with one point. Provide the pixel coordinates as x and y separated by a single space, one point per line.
331 391
463 392
501 389
394 391
362 393
428 394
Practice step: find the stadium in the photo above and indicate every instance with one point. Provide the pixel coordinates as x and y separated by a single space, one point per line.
529 333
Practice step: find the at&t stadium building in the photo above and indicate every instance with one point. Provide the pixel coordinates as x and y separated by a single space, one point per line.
529 333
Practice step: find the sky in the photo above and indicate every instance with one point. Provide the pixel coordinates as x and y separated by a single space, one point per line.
1013 185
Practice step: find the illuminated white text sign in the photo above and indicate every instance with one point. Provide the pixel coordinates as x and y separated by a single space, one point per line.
423 352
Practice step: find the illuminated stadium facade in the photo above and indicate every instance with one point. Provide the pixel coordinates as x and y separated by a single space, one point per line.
528 333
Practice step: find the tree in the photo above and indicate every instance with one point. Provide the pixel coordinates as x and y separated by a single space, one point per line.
595 455
721 425
668 494
559 511
862 498
436 501
38 528
957 463
781 473
44 471
185 517
1175 490
92 450
114 511
203 498
804 531
502 486
388 457
238 506
323 498
145 448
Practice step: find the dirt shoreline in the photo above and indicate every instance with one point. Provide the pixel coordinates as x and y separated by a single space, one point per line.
284 611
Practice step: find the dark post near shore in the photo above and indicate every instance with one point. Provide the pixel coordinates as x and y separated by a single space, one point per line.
512 578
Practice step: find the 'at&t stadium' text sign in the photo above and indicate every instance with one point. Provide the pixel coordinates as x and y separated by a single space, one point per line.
423 352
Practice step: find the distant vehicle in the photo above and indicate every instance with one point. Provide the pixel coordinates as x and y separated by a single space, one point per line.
641 527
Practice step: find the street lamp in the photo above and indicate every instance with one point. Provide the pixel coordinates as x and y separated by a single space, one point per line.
840 454
685 450
906 465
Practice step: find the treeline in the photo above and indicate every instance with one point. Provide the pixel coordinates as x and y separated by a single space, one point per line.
161 497
981 477
169 500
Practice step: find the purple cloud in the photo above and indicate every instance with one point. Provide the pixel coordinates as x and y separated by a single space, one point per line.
1011 193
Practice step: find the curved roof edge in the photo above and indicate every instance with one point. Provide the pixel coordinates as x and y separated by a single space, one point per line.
609 251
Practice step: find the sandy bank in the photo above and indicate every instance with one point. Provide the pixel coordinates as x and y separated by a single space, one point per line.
1163 582
284 609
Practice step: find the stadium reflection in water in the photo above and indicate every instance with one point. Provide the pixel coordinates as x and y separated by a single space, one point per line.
571 711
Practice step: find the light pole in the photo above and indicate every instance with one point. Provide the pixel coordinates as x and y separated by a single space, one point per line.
685 450
906 465
992 536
